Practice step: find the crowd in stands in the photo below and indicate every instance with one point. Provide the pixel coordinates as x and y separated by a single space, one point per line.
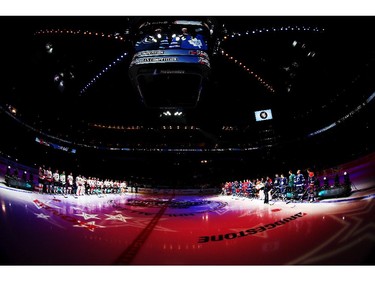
14 178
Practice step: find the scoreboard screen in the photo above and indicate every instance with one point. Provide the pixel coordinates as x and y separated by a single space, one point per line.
171 62
262 115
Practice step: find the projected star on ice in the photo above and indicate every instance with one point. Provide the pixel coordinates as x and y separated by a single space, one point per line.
118 217
50 203
88 225
88 216
41 216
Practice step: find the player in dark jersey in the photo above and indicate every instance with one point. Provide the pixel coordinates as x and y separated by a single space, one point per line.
311 185
41 186
299 181
291 182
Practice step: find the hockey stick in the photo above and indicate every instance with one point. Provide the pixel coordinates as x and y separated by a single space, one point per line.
304 193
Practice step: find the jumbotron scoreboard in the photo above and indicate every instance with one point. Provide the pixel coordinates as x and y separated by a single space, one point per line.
171 62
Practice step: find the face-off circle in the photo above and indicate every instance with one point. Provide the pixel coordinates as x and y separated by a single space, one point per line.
174 207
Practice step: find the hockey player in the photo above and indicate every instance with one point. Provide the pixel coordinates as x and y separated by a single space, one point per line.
99 186
56 182
283 183
91 183
80 183
123 186
70 182
41 185
311 185
276 181
291 181
48 179
63 182
299 181
267 189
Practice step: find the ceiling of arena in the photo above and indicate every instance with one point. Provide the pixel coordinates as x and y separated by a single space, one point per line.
310 71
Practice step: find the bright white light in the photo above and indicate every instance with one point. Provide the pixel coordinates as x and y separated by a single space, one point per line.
13 110
370 97
48 46
107 68
294 43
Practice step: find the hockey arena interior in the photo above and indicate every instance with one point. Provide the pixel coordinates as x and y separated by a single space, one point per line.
227 140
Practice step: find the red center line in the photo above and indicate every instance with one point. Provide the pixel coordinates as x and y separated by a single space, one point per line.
129 254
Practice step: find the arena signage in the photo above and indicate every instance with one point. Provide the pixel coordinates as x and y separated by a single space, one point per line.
250 231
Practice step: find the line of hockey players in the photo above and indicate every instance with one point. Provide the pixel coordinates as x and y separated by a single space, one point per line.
282 187
59 182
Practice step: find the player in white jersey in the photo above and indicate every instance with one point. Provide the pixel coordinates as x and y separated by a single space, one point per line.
70 182
63 182
106 186
111 184
123 186
92 184
78 185
83 185
48 179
